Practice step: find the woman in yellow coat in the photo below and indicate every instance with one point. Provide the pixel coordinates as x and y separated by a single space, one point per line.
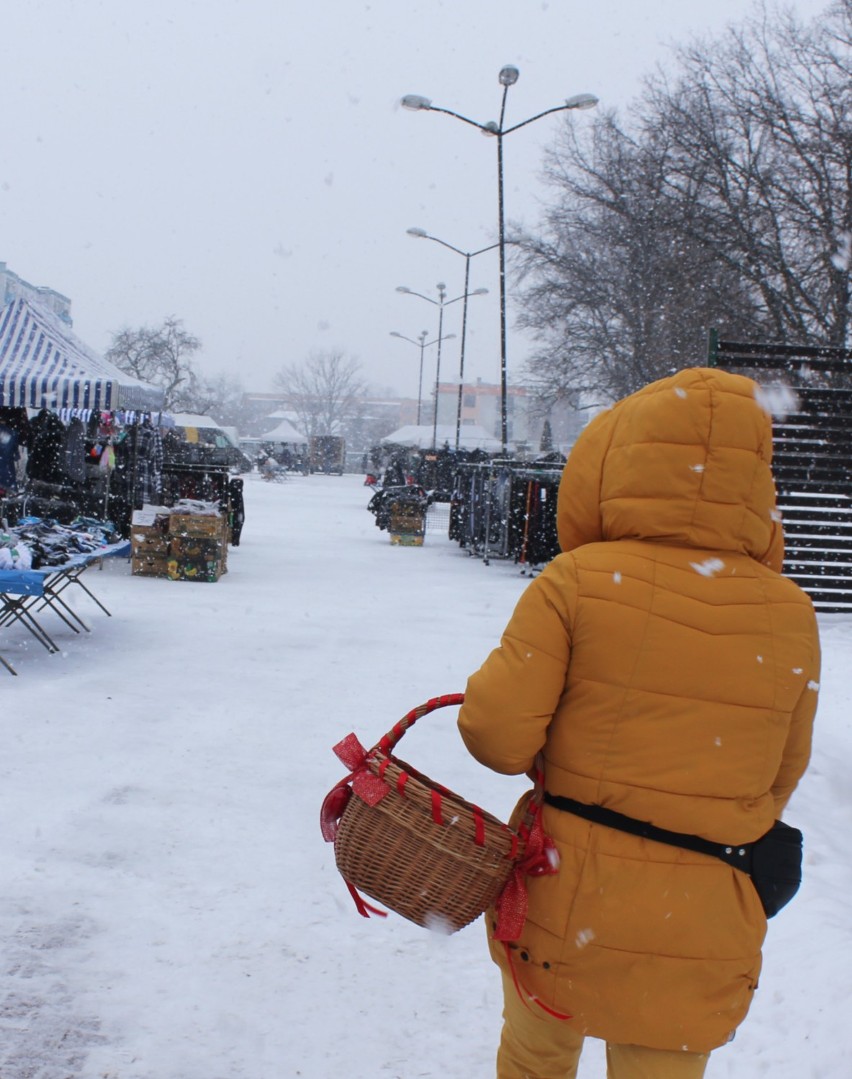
666 670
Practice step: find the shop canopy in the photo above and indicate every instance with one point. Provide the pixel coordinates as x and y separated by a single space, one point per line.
43 365
284 432
426 436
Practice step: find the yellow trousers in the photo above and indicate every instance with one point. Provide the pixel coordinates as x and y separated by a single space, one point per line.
536 1046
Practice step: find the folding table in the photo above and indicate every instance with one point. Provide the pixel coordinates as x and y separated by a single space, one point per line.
25 594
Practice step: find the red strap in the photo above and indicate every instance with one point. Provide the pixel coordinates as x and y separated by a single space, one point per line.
478 827
364 908
436 808
524 994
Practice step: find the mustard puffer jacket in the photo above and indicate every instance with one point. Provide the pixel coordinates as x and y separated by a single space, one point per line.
665 669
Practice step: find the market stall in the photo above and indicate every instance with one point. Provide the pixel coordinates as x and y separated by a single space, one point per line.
77 435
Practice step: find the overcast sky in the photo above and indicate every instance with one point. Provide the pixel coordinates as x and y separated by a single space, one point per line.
245 165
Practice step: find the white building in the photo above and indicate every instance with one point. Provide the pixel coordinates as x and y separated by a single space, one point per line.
12 286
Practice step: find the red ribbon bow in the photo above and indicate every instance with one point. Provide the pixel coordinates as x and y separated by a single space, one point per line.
366 784
540 859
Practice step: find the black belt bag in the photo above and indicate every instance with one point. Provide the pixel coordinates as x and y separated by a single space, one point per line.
774 862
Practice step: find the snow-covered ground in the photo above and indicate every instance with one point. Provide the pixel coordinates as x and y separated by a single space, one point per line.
168 909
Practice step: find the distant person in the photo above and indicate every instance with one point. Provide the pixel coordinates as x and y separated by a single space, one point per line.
394 475
269 467
664 670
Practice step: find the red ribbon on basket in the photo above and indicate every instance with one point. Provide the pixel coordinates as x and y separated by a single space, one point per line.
368 787
366 784
540 859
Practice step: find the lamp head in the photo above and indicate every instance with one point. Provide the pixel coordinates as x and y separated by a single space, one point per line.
508 75
414 102
582 101
479 292
422 233
403 288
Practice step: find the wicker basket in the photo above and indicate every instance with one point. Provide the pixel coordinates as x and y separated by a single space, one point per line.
420 849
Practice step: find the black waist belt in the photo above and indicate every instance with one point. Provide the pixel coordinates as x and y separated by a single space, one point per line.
738 855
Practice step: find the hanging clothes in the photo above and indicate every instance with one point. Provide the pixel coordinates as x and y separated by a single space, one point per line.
74 450
149 466
9 449
47 448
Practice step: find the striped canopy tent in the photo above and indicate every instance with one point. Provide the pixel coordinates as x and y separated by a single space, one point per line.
43 365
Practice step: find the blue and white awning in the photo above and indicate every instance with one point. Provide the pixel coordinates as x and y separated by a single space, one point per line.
43 365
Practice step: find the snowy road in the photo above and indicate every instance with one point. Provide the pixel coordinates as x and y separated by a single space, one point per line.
168 908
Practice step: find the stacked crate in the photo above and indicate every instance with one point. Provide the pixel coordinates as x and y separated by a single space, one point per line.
407 523
198 547
149 544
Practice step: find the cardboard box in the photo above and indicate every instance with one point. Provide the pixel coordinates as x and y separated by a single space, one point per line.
192 569
150 515
195 549
198 524
149 565
412 522
406 539
148 539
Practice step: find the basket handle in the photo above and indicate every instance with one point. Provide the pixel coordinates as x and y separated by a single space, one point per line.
386 744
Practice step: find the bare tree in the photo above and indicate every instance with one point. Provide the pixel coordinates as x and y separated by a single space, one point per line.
162 356
761 126
727 203
323 392
223 399
617 293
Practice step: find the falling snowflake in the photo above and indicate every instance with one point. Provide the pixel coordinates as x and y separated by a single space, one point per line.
709 567
777 399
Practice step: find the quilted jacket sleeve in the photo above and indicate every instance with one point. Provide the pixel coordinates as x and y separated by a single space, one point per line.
797 749
510 700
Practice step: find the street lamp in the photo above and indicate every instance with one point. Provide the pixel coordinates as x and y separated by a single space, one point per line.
440 303
508 77
423 344
467 256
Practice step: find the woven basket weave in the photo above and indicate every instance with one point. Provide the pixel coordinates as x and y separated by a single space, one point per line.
422 850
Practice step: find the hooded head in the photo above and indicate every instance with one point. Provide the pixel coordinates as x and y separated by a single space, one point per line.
685 461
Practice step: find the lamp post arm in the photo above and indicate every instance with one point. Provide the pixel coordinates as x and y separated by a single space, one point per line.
444 243
458 116
481 251
428 299
503 107
538 116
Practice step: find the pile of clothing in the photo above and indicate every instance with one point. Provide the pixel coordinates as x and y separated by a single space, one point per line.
35 543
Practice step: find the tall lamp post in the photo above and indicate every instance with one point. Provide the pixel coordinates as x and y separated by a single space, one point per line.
423 345
440 303
508 77
467 256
